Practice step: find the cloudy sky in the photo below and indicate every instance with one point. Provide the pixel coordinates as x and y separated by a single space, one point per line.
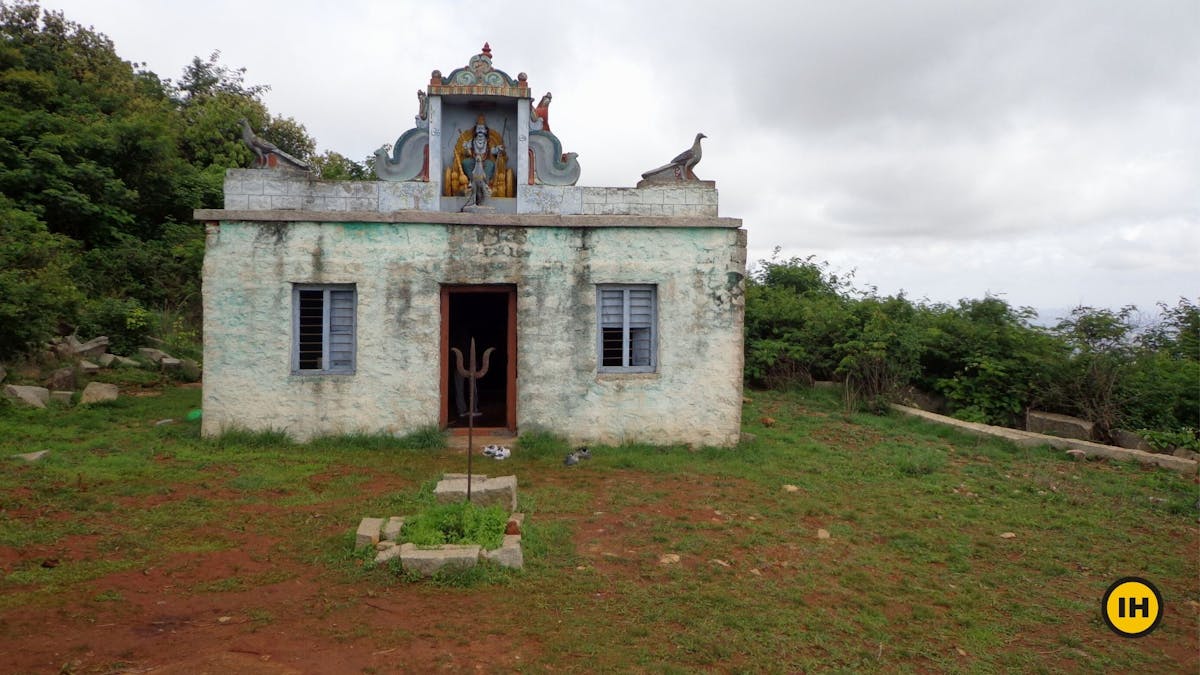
1044 151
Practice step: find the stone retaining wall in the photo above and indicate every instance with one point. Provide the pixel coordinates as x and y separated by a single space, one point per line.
1072 446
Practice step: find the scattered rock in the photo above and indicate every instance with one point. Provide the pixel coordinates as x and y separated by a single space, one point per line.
190 370
225 619
32 457
822 534
791 488
124 362
169 363
92 348
391 529
155 356
669 559
1008 535
1076 454
106 359
391 552
368 532
508 555
164 422
98 392
37 397
1184 453
1063 426
88 367
61 379
1131 441
755 572
722 563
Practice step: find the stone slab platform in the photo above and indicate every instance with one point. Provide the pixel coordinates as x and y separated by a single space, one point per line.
500 491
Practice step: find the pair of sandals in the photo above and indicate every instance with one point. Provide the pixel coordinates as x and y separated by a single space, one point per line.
573 458
496 451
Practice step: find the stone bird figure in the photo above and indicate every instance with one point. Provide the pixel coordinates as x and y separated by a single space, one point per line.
262 148
685 161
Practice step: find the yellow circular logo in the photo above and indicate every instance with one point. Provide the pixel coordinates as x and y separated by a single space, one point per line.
1132 607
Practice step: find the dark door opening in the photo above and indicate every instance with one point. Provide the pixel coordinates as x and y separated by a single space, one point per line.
487 314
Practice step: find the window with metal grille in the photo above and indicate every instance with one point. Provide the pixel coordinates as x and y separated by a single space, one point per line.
324 325
628 335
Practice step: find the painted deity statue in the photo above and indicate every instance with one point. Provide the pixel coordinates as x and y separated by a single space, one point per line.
480 167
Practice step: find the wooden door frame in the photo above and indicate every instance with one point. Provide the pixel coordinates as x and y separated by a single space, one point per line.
510 403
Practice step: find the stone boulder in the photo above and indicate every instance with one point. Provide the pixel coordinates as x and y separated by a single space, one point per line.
155 356
88 367
63 378
368 532
98 392
37 397
1131 441
92 348
190 370
509 554
1063 426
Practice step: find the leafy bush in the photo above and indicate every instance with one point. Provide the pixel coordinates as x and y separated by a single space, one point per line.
985 358
1185 438
125 321
36 290
797 312
883 356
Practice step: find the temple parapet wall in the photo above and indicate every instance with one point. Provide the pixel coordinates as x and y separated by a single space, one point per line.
254 190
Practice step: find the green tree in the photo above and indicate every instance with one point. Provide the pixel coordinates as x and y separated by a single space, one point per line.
87 141
331 165
36 291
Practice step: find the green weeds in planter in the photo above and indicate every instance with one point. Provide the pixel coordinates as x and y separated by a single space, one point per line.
458 523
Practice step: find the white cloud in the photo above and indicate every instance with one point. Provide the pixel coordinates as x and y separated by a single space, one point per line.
1047 151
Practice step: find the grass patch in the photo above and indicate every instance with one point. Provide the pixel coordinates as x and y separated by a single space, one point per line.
541 444
913 572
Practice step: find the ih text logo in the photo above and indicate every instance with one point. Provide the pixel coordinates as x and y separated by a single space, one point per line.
1132 607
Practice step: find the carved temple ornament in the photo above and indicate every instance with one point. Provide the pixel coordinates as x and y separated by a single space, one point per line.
487 134
479 78
678 169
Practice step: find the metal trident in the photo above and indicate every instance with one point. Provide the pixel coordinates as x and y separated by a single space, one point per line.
471 375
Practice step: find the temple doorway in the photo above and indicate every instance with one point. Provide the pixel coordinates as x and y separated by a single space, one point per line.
488 314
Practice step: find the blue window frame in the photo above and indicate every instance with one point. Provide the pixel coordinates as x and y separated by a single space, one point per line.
323 335
627 339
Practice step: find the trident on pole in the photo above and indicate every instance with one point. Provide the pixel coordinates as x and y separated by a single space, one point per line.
471 375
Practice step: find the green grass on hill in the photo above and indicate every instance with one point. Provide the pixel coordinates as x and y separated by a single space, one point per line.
915 574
